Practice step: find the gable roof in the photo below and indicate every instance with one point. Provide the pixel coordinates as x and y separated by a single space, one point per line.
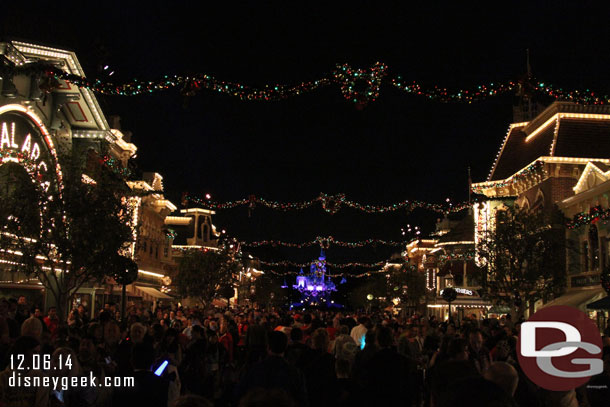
82 109
562 130
595 173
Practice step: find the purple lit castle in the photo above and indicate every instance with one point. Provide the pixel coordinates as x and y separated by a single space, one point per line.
316 287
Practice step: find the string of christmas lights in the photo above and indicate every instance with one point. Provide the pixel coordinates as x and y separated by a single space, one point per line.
530 170
360 86
443 258
594 215
288 263
324 242
443 95
116 166
22 158
342 274
330 203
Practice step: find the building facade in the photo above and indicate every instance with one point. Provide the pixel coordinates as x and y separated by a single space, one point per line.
44 123
588 236
538 166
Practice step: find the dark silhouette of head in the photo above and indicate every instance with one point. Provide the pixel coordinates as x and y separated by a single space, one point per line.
142 356
384 337
296 335
277 342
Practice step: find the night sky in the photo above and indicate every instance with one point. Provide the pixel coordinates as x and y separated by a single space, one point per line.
400 147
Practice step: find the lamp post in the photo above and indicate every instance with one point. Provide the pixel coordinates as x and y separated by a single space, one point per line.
369 297
449 294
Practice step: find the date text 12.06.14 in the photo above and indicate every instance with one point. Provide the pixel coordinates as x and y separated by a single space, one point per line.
40 362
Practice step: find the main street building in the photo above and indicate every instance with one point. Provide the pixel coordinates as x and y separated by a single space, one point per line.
43 121
544 162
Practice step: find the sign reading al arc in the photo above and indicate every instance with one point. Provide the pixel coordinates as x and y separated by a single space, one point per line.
25 140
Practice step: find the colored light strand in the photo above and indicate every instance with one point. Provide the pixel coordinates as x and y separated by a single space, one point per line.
443 95
116 166
324 243
360 86
19 157
444 258
333 275
330 203
288 263
594 215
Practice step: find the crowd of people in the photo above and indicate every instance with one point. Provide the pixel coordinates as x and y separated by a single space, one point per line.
245 357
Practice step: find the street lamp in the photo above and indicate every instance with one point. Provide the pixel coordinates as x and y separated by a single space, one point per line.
449 294
449 280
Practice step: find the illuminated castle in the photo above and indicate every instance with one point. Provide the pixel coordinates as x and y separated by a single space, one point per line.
316 287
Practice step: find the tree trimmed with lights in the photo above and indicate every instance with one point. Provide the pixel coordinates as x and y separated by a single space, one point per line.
523 258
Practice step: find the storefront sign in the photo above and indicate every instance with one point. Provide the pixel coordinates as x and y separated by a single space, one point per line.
459 290
585 281
22 142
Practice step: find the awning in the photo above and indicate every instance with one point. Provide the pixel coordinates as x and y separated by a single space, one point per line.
603 304
153 292
577 298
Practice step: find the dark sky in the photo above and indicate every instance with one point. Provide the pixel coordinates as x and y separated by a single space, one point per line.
400 147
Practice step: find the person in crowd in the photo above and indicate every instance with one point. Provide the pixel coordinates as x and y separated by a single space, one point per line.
32 327
358 332
406 360
74 321
274 373
22 312
389 378
297 353
341 339
74 396
194 362
51 321
477 352
83 314
319 370
150 389
504 375
226 339
363 356
21 396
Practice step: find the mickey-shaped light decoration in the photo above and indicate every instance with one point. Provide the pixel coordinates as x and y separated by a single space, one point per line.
360 86
325 242
332 203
